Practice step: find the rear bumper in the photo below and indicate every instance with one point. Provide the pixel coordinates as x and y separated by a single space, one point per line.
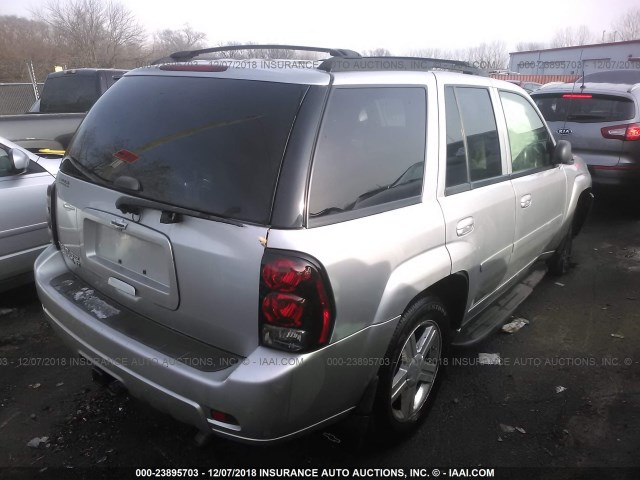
273 395
615 176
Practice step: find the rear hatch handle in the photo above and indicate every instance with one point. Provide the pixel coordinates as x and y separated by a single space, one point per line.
169 213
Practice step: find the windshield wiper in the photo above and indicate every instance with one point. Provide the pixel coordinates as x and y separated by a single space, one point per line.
170 213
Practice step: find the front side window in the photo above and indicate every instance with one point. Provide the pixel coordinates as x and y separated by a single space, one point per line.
370 152
6 168
529 140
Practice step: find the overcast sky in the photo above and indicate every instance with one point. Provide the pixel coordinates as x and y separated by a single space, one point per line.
399 25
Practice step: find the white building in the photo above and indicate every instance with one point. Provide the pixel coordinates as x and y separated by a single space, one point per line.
572 60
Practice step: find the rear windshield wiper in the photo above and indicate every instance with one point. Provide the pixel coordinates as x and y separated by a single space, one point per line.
169 213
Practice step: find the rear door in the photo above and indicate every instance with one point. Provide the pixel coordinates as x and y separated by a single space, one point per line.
478 202
166 194
539 185
580 117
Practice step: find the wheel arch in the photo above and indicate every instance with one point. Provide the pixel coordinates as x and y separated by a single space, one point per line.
453 291
583 207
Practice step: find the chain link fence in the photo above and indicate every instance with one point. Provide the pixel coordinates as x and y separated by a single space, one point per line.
16 98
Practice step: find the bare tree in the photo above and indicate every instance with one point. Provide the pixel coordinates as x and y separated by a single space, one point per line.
488 56
123 32
269 53
437 53
25 40
528 46
627 26
569 37
584 36
168 41
93 32
376 52
562 38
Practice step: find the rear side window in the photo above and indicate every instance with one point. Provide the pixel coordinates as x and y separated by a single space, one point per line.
473 147
585 108
370 152
70 93
457 173
211 145
529 140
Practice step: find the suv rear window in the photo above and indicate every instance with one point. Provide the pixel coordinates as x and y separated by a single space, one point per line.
69 93
592 108
207 144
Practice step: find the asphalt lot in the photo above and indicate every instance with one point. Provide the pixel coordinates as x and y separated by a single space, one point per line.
583 336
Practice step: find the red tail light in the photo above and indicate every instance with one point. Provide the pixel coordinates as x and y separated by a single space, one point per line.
295 310
629 132
576 95
52 224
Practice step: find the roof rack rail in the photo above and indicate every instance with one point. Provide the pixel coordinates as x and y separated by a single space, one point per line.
187 55
633 87
348 64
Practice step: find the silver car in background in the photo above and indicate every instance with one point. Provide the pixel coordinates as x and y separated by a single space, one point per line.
24 178
602 122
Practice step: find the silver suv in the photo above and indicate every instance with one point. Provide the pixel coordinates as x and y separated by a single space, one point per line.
262 251
602 122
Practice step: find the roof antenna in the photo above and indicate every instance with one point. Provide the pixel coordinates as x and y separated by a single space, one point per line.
582 87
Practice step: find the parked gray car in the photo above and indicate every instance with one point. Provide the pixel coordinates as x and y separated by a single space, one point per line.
265 251
24 178
602 122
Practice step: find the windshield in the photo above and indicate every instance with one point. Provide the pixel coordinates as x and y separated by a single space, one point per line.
206 144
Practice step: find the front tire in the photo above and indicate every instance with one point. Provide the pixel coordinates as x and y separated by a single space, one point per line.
414 357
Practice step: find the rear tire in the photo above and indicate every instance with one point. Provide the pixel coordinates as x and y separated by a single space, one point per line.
560 262
413 367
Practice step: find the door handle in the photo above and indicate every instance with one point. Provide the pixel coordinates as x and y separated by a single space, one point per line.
464 226
525 201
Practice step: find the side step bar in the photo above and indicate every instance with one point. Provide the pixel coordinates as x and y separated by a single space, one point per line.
494 317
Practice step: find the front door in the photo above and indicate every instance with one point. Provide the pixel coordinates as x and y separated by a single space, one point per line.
538 184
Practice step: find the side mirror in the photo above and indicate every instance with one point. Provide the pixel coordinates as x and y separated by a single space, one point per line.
562 153
12 161
19 161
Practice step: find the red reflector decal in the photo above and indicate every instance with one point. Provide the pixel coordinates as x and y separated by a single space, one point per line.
576 95
193 68
223 417
126 156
